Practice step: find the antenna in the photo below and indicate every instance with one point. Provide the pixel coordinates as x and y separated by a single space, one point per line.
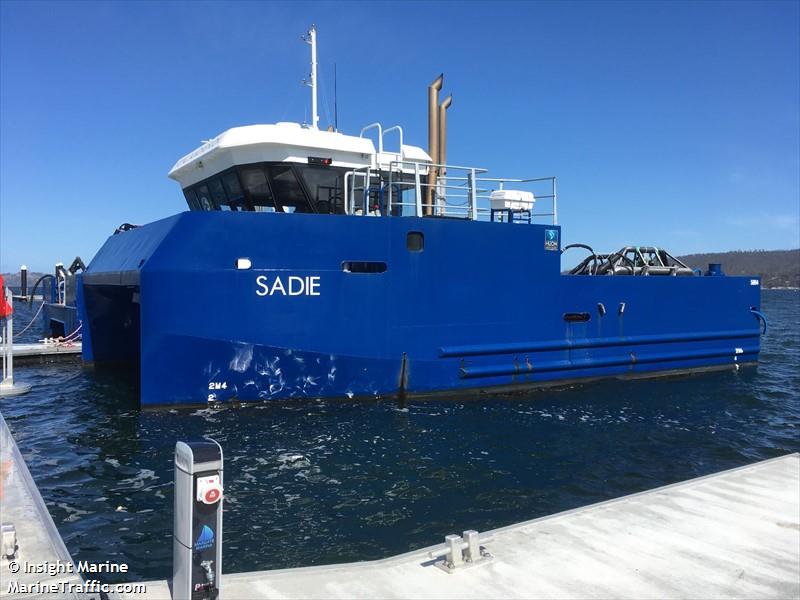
335 105
311 39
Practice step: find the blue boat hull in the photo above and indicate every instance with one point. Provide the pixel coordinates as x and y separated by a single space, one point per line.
482 307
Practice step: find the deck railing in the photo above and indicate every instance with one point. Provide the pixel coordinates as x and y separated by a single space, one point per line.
465 192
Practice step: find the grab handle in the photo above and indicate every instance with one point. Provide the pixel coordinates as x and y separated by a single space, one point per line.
761 317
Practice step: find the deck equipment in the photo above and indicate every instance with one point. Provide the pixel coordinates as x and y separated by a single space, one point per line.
197 537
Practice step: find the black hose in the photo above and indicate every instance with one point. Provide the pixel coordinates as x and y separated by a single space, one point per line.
584 246
593 268
35 285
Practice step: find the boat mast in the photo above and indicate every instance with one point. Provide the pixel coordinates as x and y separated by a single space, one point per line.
311 38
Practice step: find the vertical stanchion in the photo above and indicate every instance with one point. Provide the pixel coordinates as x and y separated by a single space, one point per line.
7 385
389 200
473 195
418 189
555 203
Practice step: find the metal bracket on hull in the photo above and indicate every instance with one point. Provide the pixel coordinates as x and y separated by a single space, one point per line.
761 317
403 384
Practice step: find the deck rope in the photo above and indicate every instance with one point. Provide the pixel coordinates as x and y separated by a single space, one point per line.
69 339
16 335
64 340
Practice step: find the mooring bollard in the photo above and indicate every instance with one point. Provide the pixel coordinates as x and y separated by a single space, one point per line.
460 552
57 289
197 536
23 281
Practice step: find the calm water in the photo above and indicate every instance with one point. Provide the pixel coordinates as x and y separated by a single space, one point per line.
318 482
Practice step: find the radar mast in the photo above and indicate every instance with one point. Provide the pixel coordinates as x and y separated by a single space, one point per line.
311 39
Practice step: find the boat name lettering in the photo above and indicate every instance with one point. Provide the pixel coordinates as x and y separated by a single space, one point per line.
294 286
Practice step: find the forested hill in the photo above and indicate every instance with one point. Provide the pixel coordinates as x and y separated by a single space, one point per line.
12 279
777 268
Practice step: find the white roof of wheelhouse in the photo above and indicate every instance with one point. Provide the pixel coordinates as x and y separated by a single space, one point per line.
282 142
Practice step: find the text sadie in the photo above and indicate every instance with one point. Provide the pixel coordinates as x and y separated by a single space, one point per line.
294 286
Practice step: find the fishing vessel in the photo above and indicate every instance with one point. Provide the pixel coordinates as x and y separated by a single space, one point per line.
317 264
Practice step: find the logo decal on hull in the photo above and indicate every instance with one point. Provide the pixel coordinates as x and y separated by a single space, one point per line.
205 540
551 239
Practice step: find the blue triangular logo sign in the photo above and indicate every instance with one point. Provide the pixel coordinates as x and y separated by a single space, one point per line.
205 539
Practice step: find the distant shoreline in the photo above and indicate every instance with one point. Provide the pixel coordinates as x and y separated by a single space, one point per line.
777 269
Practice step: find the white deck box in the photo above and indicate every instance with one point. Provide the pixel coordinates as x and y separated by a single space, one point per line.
512 199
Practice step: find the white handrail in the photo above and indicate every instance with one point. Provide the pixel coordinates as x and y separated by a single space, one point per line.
418 189
473 196
555 203
380 134
366 174
394 128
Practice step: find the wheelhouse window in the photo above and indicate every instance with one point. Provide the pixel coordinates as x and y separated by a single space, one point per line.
254 181
288 193
218 193
191 199
271 187
325 187
233 189
204 198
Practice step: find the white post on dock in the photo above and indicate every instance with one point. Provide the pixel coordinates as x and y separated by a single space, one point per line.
7 385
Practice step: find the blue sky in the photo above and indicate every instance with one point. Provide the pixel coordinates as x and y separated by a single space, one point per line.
673 124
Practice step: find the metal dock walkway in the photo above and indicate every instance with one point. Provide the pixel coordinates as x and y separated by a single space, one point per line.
25 353
735 534
38 541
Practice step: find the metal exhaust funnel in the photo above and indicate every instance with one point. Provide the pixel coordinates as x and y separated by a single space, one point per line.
433 139
442 160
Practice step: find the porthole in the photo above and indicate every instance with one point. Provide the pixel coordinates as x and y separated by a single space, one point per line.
363 266
415 241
